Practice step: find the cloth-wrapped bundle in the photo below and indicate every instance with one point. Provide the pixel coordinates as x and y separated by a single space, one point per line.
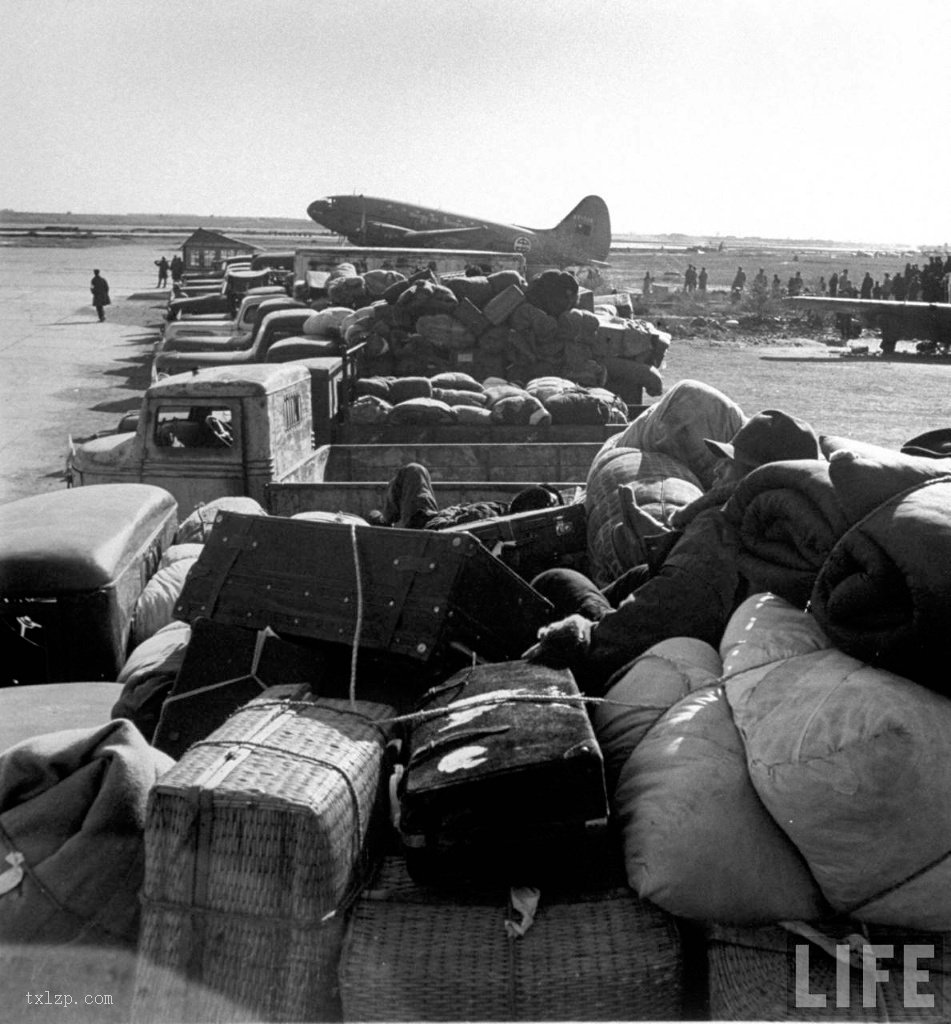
148 675
445 331
697 840
327 323
347 291
883 593
425 297
503 279
681 421
554 291
853 763
521 410
789 518
154 606
377 281
456 381
660 484
476 289
651 684
578 406
379 387
454 397
195 528
472 415
402 388
426 411
72 814
370 409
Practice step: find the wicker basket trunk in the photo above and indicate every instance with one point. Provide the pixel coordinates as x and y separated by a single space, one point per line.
414 953
252 842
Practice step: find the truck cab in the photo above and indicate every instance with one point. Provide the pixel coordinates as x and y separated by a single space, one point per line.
224 431
235 332
207 351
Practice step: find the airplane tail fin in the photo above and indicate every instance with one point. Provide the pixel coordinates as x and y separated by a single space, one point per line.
587 229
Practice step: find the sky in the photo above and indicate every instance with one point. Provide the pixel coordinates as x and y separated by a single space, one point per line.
826 119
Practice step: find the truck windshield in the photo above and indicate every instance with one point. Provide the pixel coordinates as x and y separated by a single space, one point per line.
195 426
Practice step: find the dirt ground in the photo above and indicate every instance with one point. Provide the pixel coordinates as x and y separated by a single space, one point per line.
63 373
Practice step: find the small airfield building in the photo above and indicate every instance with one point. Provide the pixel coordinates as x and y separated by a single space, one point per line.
204 250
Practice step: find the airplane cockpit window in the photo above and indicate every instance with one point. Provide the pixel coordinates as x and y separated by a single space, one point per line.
197 426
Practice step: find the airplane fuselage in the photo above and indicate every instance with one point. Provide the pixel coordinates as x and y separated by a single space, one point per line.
582 237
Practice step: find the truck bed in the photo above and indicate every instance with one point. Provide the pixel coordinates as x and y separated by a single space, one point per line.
353 478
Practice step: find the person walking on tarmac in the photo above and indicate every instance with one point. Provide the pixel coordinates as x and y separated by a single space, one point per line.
99 287
162 265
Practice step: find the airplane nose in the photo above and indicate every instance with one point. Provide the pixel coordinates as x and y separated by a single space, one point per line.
318 208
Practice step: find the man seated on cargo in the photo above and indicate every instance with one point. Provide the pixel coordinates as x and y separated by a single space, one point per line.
410 503
690 584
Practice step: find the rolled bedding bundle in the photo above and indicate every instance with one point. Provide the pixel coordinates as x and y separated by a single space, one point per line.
652 683
155 605
853 763
377 281
658 484
347 291
457 381
789 518
426 411
679 423
148 675
370 409
884 591
194 529
327 323
697 840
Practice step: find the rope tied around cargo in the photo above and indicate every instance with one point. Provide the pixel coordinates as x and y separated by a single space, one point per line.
507 698
232 746
252 673
358 627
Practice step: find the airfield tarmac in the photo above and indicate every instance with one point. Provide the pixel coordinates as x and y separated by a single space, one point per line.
63 373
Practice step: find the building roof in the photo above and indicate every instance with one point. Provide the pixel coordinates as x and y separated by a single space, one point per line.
214 239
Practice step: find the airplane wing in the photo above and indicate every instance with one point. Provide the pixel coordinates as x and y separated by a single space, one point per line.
440 236
821 304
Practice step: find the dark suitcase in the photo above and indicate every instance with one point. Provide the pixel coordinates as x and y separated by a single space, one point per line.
504 781
530 542
224 668
427 597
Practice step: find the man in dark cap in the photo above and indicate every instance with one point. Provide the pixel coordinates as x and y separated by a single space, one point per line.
689 584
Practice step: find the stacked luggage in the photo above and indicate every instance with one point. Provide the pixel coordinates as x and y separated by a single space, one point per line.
367 766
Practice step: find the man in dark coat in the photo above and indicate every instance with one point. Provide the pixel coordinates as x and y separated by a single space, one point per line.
162 265
692 584
99 287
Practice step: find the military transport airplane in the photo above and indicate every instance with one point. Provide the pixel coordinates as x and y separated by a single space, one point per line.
583 237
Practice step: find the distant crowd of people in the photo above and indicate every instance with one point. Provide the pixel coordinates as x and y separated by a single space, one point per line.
917 284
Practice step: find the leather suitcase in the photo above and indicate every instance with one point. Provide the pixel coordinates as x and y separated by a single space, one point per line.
530 542
224 668
504 781
471 317
500 307
421 596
